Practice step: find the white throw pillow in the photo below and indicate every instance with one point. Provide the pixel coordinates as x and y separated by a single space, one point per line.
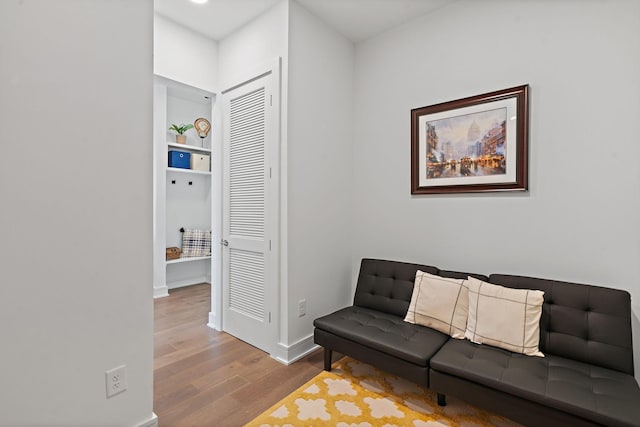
504 317
440 303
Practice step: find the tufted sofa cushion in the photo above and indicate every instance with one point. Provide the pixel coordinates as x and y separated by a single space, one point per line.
387 286
384 332
602 395
590 324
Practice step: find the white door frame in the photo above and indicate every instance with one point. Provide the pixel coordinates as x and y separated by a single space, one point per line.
272 219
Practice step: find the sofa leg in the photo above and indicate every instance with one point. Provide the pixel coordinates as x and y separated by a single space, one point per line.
327 359
442 399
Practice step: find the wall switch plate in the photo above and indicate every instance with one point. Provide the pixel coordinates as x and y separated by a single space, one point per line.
116 380
302 307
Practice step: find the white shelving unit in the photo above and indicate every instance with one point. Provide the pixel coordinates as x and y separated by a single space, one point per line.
188 171
182 197
189 147
187 259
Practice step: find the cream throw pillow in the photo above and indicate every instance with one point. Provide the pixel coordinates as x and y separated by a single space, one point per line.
439 303
504 317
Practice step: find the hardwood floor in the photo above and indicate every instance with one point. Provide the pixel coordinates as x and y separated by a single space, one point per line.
207 378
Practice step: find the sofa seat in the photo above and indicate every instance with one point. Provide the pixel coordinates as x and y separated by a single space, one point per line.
597 394
384 332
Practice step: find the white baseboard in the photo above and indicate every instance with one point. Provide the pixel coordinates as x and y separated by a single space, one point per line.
213 322
288 354
151 422
188 282
163 291
160 292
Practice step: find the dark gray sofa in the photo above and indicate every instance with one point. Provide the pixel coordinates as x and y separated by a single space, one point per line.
585 378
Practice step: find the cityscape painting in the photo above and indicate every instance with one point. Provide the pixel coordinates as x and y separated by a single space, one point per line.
471 144
466 146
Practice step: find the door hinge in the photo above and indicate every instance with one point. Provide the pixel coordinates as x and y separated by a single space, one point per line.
269 244
270 100
269 317
269 173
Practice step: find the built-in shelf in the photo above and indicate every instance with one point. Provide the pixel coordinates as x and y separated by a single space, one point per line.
188 203
188 259
181 170
189 147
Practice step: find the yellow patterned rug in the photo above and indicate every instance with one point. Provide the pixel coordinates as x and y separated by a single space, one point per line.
355 394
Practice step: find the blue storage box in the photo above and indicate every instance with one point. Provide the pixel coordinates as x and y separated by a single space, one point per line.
179 159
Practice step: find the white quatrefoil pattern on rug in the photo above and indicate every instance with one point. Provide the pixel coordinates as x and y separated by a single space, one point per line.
355 394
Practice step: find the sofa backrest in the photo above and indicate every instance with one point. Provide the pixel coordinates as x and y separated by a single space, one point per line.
387 285
587 323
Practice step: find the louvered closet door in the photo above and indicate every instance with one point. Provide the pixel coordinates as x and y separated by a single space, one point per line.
247 290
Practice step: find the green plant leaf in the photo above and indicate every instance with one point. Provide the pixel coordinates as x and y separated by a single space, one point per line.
181 129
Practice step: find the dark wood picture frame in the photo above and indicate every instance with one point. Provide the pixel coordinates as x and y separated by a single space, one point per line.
491 156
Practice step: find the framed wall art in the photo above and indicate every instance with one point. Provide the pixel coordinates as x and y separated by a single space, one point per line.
474 144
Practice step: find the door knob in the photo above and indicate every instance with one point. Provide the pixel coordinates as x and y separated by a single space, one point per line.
224 242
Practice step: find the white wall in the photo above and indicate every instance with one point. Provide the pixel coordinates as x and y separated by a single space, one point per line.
320 123
256 44
183 55
579 221
75 185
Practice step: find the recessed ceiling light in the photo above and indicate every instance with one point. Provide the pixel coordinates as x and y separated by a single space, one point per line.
200 1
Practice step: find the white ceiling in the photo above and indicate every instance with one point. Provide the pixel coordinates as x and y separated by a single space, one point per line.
361 19
356 19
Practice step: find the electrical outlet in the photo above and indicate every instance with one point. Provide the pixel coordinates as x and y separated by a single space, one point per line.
116 380
302 307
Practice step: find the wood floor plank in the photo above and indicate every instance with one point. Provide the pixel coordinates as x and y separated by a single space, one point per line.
203 377
202 405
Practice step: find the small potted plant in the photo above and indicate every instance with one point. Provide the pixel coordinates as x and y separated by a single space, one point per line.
181 138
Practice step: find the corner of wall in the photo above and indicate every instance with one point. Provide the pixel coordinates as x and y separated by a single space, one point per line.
319 169
288 354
